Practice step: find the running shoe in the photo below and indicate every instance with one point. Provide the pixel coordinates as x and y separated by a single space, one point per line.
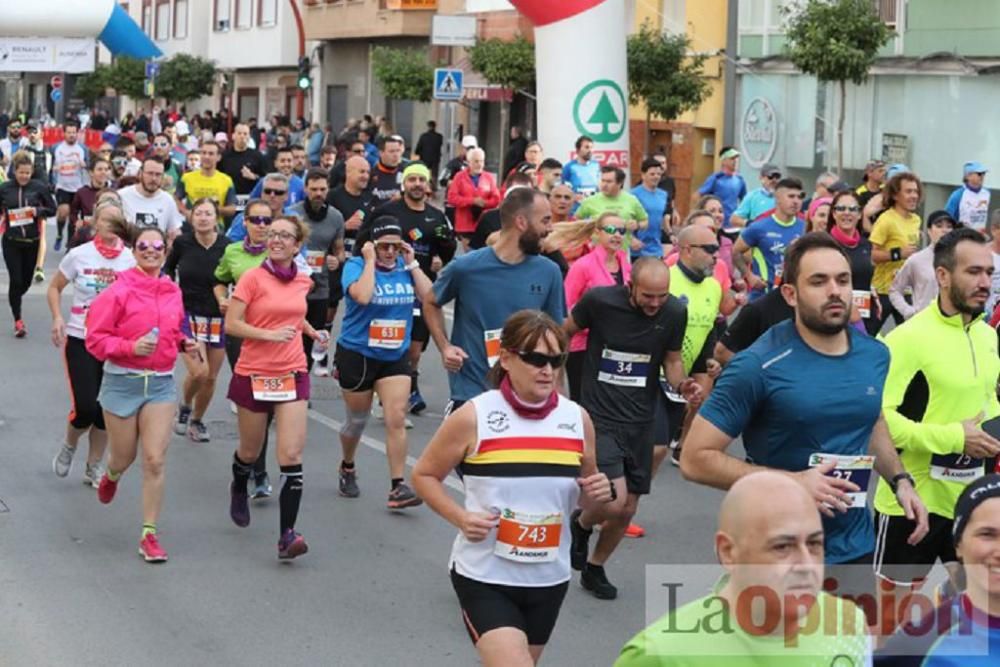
580 546
377 412
594 580
150 549
198 432
675 458
106 489
417 403
183 416
39 275
20 331
635 530
63 460
58 245
348 485
402 497
239 506
291 545
261 486
92 475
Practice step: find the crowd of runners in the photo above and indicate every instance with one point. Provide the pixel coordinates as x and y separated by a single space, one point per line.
595 333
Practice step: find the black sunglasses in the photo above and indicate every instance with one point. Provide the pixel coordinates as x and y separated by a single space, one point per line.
844 208
259 219
272 191
538 360
710 248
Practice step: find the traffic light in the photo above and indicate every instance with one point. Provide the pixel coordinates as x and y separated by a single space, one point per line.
304 81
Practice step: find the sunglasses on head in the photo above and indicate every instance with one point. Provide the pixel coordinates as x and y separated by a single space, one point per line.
710 248
611 229
539 360
259 219
844 208
143 246
272 191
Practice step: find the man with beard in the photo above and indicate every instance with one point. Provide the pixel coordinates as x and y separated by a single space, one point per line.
488 286
69 172
324 252
161 152
582 173
807 399
770 540
387 174
12 143
940 388
427 230
146 205
284 163
634 331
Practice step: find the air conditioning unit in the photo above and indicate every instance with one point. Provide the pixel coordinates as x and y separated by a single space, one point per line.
222 25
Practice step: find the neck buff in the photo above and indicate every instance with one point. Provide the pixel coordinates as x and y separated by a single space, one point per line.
527 410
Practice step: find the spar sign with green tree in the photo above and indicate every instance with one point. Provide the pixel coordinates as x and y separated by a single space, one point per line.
835 40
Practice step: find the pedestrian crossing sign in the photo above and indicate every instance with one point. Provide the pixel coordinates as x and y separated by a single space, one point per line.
447 84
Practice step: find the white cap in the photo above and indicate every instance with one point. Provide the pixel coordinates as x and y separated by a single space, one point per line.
470 141
182 128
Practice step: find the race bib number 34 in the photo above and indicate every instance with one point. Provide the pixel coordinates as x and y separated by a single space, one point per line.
625 369
855 469
528 538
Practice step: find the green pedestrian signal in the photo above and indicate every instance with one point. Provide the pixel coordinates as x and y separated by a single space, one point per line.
304 80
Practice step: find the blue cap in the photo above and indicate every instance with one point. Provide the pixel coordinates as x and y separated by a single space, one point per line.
896 169
973 168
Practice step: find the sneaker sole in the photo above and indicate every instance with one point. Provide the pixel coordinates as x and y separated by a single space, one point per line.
347 495
294 551
198 438
91 483
179 428
261 496
399 505
152 559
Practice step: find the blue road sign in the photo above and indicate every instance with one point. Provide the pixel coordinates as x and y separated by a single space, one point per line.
447 84
152 70
56 94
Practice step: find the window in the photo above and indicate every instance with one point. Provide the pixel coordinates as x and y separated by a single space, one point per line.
180 19
244 13
267 12
887 11
147 17
674 17
162 20
221 16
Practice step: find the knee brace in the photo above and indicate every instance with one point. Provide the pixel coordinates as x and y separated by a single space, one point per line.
354 425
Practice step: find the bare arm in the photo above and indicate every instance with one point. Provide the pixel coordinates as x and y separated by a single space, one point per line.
722 353
363 289
704 459
434 318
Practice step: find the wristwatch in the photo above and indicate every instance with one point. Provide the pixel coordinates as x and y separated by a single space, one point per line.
894 482
412 265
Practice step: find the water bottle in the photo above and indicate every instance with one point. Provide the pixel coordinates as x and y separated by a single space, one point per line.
154 335
318 353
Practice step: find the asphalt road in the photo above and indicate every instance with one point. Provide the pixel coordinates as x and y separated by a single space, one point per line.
372 590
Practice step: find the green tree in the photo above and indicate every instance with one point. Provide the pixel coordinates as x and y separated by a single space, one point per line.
92 85
664 76
126 76
508 64
835 40
184 77
403 74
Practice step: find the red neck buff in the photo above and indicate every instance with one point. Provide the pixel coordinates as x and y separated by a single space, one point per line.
527 410
844 239
108 250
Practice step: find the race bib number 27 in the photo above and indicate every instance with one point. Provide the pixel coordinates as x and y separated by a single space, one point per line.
855 469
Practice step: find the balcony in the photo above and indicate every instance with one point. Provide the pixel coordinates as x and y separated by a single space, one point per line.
366 19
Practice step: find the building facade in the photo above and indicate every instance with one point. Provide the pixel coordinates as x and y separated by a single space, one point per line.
926 103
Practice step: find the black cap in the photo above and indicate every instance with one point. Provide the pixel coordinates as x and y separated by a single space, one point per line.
386 225
936 216
974 495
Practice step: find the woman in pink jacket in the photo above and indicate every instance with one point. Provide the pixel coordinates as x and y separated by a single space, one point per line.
606 264
471 192
134 327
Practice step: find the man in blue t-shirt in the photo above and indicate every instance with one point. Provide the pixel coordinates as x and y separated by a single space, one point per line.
768 239
654 201
725 184
807 398
284 163
759 201
488 286
582 173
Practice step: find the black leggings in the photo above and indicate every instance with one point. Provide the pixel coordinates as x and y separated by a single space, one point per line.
315 316
574 373
20 257
85 374
233 345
